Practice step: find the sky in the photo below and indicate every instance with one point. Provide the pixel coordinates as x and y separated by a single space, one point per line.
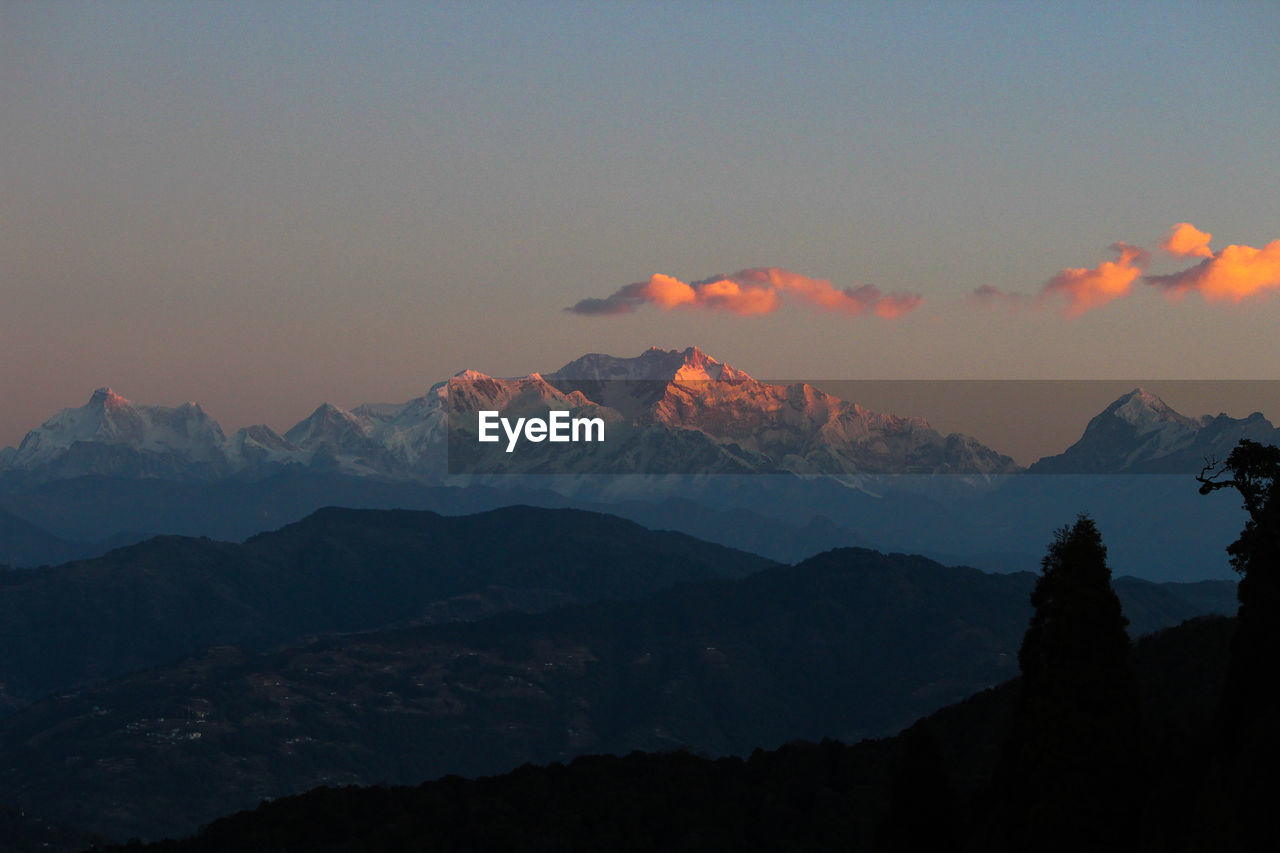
263 206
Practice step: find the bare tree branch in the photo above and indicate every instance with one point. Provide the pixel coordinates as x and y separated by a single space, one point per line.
1209 474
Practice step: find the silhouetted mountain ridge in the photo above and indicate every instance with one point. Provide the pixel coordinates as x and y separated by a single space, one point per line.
335 571
849 644
25 544
802 796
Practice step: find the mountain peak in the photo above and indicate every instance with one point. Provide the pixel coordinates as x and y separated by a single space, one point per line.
106 398
699 365
653 364
1141 433
1141 394
113 436
328 424
1145 410
328 411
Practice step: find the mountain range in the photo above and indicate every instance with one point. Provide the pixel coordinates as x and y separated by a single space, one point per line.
849 644
177 678
112 472
338 570
876 795
678 412
673 411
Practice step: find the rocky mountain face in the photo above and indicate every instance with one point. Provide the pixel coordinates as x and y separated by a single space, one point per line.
1140 434
668 412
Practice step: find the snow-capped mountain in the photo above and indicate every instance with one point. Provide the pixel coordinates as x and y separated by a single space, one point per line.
259 447
651 365
633 386
797 427
333 438
668 411
112 436
676 411
409 440
635 446
1140 434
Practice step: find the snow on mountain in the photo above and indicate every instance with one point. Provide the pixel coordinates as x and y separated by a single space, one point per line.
109 418
632 386
259 447
410 440
1141 434
651 365
111 435
1221 432
414 433
332 427
352 442
472 391
798 427
669 411
1147 413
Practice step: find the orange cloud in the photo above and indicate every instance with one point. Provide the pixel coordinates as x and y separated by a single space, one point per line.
728 295
1234 274
667 292
749 291
1086 289
1187 241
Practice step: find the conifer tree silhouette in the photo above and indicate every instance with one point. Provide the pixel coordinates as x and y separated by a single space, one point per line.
1069 777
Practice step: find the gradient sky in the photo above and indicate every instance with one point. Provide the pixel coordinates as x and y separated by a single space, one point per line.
261 206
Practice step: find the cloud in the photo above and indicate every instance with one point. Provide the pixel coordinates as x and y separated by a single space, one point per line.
1234 274
1086 289
988 295
749 291
1083 288
622 302
1187 241
666 292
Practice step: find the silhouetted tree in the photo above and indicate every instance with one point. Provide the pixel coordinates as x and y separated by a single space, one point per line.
1069 778
1249 713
